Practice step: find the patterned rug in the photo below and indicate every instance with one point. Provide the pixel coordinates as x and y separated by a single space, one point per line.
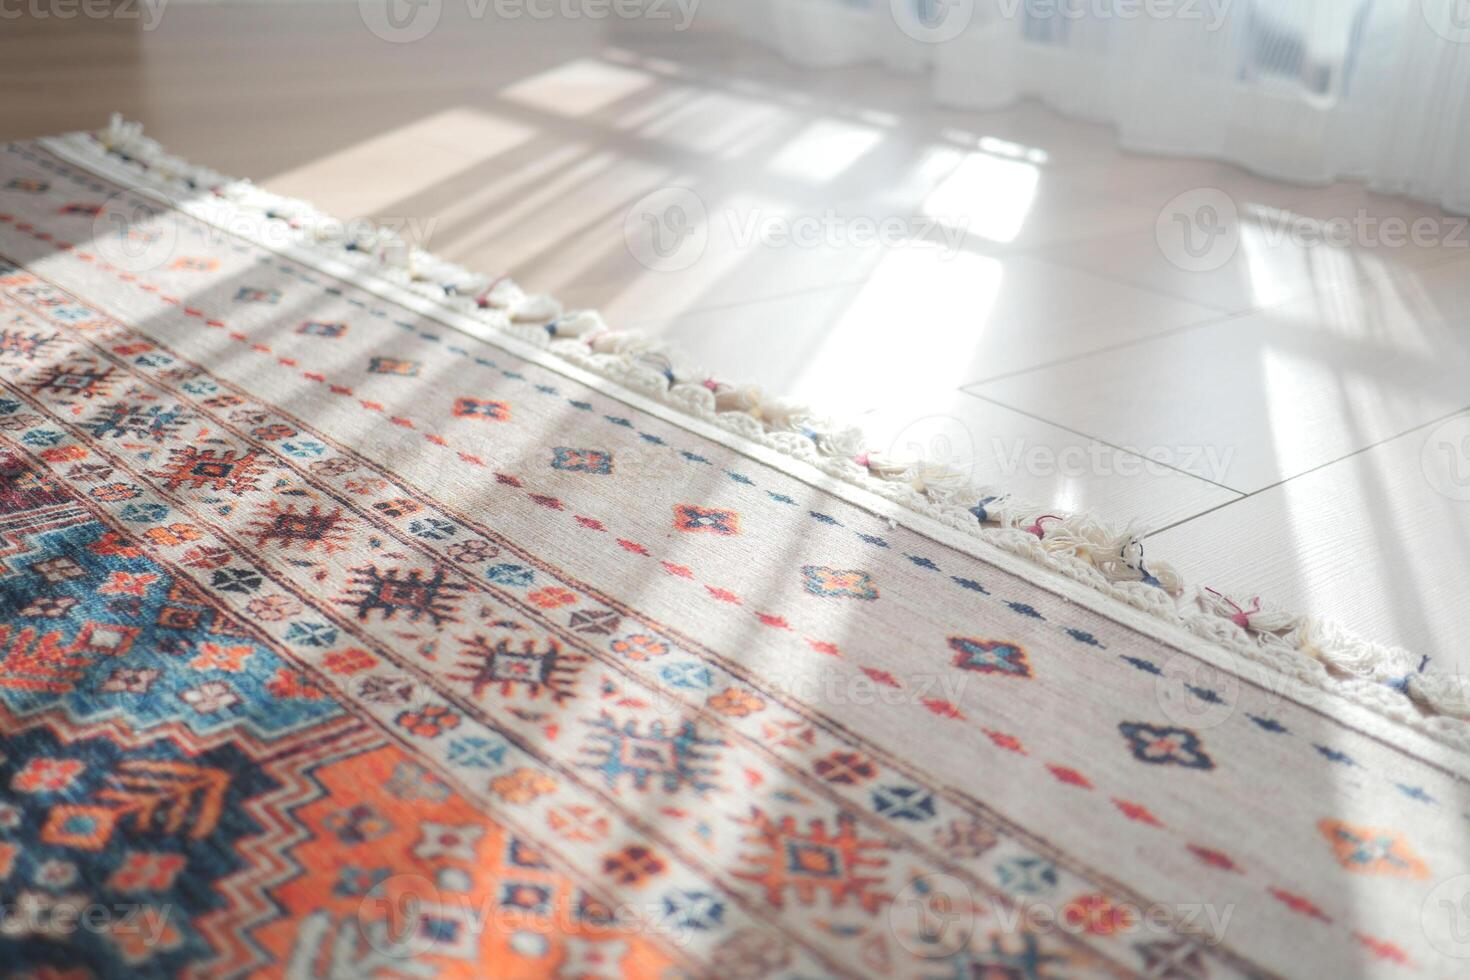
363 617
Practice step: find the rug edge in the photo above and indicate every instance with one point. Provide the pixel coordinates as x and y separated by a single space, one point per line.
1077 556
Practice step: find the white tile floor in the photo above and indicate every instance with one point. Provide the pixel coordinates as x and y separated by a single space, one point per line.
1298 394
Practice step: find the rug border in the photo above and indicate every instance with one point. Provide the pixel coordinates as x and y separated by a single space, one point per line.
1376 707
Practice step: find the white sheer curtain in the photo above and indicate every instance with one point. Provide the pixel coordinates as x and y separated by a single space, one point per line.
1300 90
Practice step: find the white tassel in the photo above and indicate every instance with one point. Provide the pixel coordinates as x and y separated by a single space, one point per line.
539 308
1084 549
688 375
1117 554
836 440
605 342
784 414
659 362
580 323
1252 618
882 467
930 478
119 133
745 400
1156 573
1445 694
1343 653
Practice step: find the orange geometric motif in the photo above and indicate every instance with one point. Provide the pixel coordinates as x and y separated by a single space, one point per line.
816 861
1369 851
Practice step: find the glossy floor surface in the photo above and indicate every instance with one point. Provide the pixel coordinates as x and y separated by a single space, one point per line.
997 290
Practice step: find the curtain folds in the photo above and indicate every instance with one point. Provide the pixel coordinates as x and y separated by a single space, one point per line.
1299 90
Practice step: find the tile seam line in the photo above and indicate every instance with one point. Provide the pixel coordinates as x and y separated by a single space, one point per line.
1117 448
1307 472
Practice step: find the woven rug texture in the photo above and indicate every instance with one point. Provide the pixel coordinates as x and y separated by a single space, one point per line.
336 641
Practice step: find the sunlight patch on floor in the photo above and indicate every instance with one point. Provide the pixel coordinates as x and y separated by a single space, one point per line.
987 196
823 150
879 345
368 177
578 87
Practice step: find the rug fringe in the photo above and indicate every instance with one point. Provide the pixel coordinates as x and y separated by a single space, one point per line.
1108 559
